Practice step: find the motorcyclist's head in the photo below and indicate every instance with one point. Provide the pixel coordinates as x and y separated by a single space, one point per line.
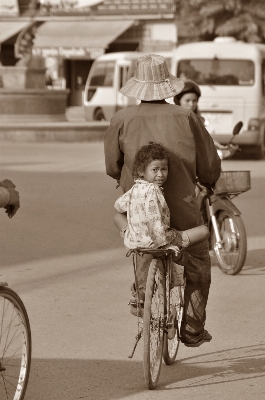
189 96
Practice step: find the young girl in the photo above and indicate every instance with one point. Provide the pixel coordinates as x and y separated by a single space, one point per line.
143 216
147 222
142 213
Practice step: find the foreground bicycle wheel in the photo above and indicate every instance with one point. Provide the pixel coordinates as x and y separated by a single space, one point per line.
153 323
231 257
15 346
171 342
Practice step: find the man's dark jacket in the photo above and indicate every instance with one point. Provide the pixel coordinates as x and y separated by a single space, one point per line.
192 154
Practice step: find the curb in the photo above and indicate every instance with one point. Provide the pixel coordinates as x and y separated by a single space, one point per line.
54 132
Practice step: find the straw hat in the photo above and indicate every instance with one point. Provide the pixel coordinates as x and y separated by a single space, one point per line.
151 80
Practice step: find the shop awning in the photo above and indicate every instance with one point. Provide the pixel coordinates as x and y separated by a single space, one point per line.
11 28
77 39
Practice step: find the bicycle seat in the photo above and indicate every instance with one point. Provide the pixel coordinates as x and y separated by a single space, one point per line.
3 284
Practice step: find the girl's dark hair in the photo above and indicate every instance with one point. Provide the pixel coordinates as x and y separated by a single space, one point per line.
147 154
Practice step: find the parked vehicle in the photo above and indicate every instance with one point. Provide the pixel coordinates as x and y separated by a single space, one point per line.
107 75
228 239
231 76
109 72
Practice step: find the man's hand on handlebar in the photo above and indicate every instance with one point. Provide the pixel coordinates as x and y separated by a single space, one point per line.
209 187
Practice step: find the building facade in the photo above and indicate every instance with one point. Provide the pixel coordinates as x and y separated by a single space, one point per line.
69 35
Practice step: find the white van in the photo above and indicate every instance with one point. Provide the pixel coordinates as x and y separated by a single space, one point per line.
109 72
107 75
231 76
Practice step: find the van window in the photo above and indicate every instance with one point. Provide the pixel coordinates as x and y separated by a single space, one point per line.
102 73
217 72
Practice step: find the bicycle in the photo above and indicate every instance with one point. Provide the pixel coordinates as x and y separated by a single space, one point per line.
15 345
162 314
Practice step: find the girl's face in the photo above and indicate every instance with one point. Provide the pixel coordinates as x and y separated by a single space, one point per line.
156 172
189 101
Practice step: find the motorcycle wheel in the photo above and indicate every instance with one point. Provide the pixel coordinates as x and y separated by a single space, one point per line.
231 257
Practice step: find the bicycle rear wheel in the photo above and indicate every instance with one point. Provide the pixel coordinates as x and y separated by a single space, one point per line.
171 344
153 323
15 346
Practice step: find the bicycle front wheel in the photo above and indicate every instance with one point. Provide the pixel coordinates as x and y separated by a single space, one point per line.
153 323
231 257
15 346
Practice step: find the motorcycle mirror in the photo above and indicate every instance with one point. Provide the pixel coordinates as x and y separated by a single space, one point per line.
237 128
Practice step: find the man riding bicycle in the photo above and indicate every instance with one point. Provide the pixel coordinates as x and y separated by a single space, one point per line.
192 154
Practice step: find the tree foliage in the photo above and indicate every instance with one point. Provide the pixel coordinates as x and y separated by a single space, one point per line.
207 19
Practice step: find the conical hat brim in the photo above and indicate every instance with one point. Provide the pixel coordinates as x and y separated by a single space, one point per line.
149 91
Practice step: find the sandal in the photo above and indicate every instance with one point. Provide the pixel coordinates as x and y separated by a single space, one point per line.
134 310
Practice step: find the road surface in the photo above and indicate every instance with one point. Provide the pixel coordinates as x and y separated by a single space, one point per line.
65 258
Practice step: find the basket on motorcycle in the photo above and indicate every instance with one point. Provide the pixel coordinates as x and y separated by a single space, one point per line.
233 182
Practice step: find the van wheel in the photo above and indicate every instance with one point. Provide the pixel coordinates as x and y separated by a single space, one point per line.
99 115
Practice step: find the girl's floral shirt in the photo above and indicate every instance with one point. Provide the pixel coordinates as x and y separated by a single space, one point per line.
147 214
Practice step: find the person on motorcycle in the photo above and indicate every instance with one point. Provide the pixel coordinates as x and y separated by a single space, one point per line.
189 98
192 153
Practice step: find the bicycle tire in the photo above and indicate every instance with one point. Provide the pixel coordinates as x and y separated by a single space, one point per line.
15 346
153 323
232 256
171 346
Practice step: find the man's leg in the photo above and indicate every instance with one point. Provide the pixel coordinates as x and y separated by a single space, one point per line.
197 270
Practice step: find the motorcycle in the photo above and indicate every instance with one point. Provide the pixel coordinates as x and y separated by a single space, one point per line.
228 239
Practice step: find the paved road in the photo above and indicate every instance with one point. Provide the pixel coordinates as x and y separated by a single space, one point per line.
66 260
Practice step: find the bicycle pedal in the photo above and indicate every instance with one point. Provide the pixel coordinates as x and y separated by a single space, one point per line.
134 303
136 308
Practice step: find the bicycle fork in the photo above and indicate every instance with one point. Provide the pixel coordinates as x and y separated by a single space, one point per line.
214 223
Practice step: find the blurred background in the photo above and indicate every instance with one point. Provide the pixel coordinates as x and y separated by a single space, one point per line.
65 60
